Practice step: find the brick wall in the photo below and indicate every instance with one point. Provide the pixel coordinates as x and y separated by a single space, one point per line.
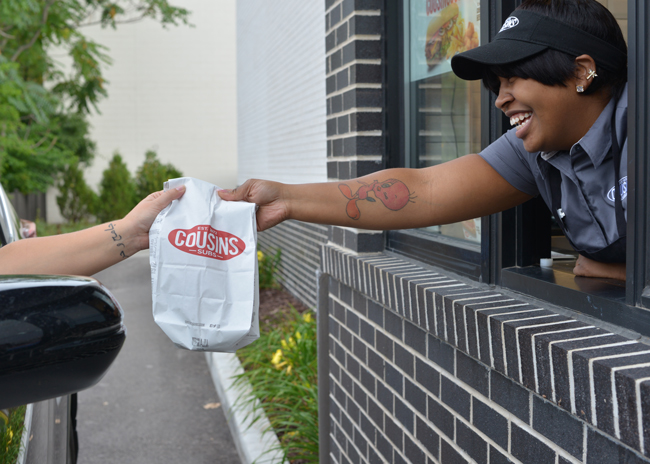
300 244
281 120
427 368
355 101
422 366
281 91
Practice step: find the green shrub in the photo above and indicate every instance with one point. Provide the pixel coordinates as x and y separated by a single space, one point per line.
11 430
43 229
268 265
282 369
116 191
152 174
76 200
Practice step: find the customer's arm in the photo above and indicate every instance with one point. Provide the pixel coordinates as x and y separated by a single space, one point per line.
461 189
90 250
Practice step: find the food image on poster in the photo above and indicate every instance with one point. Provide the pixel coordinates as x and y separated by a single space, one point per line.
447 35
439 29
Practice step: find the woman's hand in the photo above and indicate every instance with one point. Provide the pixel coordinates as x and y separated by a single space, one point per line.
269 196
139 220
87 251
586 267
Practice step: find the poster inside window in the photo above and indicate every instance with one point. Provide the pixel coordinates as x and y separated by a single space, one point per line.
443 110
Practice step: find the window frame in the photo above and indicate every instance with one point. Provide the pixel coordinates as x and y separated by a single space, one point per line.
464 258
512 241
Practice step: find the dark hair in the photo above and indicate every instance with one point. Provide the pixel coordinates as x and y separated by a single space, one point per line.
553 67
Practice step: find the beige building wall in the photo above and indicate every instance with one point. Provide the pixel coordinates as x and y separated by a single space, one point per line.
172 90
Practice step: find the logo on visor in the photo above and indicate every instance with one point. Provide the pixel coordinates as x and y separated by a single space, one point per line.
623 186
511 22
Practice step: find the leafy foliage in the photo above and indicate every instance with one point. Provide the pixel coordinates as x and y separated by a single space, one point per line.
45 229
282 369
11 430
42 108
151 176
268 266
76 200
116 191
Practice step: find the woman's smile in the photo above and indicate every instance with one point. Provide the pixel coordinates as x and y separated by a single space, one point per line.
521 122
546 117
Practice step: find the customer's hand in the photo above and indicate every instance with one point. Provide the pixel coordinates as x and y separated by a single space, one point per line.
138 222
269 196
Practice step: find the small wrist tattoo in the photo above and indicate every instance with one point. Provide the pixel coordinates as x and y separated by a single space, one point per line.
393 193
116 238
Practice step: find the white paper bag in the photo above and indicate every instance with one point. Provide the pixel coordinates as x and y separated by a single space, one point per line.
203 255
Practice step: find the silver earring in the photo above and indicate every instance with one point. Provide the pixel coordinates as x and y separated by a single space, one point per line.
580 89
592 74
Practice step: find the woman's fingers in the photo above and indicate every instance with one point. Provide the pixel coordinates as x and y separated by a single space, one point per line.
164 197
241 193
260 192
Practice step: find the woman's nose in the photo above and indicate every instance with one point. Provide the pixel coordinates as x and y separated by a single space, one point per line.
505 96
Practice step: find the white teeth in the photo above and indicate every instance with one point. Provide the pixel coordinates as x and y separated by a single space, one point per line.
519 117
514 120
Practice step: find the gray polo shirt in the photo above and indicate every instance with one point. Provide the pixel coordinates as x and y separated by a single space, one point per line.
587 172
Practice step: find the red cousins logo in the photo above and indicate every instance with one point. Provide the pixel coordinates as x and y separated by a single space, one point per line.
207 241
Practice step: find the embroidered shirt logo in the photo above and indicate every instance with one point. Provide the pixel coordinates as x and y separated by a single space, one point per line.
623 187
511 22
206 241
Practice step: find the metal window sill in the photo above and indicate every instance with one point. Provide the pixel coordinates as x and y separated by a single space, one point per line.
600 298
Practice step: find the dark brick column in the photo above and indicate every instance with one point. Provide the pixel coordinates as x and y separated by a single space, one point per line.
355 102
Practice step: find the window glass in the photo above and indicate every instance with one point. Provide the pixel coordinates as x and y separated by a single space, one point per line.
443 111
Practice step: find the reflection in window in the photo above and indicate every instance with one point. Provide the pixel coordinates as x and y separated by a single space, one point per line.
443 111
446 125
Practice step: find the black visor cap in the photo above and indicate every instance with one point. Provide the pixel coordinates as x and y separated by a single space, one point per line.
525 34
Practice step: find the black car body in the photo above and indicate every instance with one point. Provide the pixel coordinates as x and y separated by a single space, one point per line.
58 335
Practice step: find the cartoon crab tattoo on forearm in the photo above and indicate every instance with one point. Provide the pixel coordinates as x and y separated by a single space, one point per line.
393 193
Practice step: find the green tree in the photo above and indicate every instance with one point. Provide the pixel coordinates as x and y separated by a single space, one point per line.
76 200
43 108
116 191
152 174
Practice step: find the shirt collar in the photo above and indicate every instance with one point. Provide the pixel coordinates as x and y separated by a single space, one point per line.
598 140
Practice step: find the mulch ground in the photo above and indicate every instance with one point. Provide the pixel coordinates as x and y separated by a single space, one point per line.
274 305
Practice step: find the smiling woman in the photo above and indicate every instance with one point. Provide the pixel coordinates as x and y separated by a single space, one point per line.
559 69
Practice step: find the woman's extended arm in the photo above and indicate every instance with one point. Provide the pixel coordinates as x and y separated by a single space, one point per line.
90 250
461 189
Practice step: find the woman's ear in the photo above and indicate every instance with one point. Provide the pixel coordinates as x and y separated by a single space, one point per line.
585 72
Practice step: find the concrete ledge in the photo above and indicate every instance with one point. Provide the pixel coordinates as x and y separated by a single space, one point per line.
250 429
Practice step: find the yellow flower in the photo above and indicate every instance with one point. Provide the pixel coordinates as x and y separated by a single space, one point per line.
307 317
284 344
289 369
277 357
260 256
298 336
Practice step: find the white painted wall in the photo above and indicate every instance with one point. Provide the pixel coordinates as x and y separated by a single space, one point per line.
281 102
172 90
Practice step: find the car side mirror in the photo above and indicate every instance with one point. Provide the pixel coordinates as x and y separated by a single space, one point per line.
58 335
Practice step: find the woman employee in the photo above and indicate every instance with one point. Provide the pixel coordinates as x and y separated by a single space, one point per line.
559 70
